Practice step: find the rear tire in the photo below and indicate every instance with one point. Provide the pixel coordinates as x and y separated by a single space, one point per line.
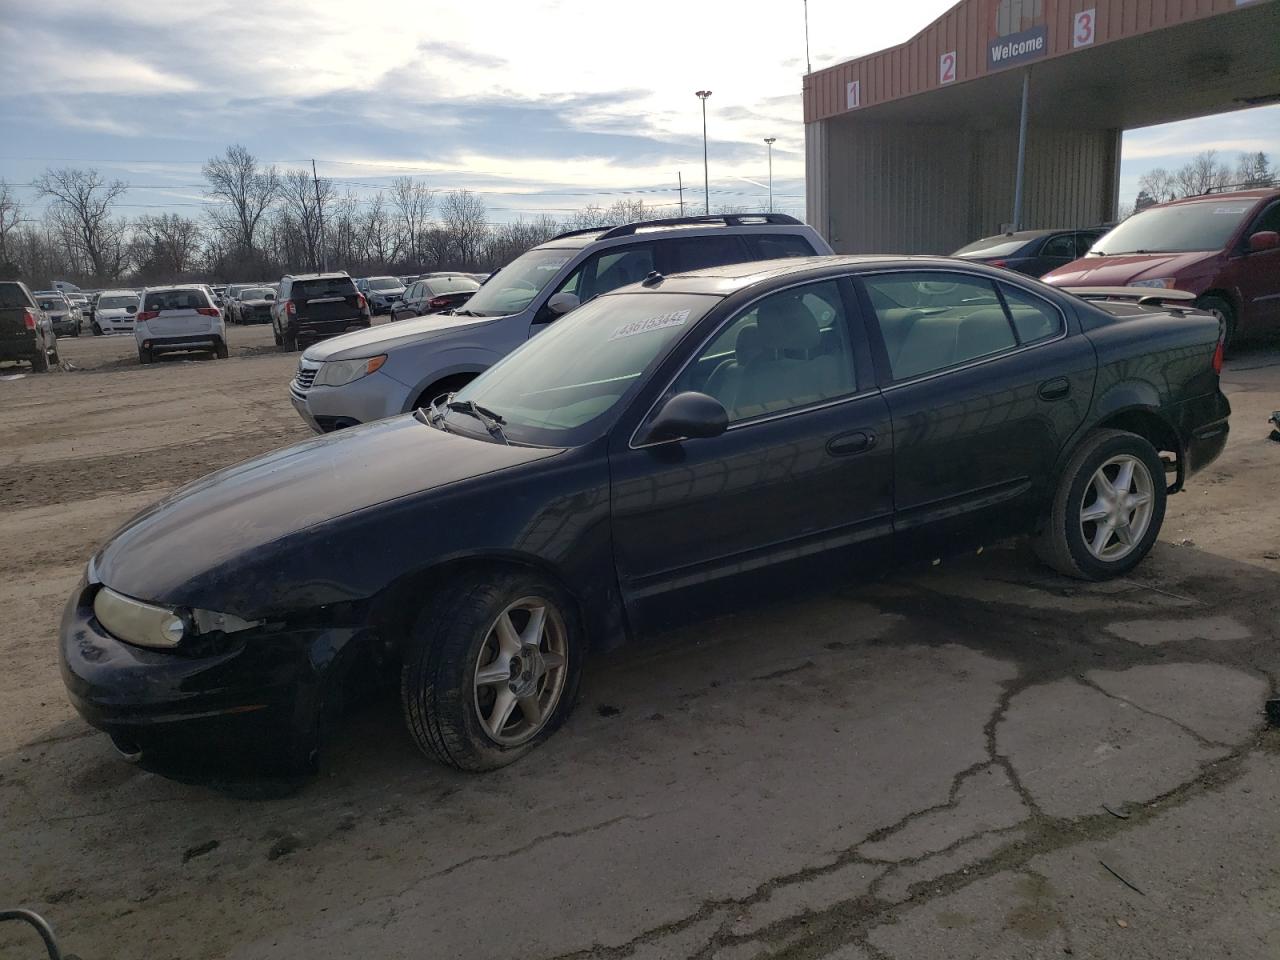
1076 545
145 356
97 330
289 341
40 362
1226 314
451 708
220 351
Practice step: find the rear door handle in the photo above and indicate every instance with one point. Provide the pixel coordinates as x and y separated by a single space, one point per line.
858 441
1054 389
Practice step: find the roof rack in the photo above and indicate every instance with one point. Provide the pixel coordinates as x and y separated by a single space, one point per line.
578 233
725 220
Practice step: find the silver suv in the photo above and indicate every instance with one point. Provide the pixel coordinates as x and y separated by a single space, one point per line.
395 367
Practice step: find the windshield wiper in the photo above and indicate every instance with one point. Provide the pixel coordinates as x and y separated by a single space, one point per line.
465 313
492 421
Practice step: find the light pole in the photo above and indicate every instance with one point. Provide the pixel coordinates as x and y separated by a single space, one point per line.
770 141
706 176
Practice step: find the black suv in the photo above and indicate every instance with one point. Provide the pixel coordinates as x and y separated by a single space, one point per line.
26 332
313 306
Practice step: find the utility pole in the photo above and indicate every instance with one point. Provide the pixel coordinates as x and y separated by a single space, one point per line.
808 65
770 141
706 176
322 259
680 181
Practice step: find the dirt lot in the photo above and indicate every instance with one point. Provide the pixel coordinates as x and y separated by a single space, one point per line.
978 760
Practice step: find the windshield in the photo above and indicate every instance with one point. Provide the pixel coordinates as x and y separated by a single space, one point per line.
116 303
385 283
993 247
51 303
441 285
1183 227
557 388
515 285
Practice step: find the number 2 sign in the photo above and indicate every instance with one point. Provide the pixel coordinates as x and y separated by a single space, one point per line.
1085 27
947 67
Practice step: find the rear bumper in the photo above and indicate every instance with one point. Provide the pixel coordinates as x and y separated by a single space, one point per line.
194 341
320 329
1204 426
22 348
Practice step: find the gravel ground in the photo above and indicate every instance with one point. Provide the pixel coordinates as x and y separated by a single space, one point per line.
978 760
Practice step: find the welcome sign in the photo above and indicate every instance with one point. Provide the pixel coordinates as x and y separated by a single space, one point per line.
1016 48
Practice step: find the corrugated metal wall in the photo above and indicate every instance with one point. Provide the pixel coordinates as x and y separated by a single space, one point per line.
894 188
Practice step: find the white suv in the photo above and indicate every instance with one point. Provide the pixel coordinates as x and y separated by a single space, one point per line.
114 311
178 318
395 367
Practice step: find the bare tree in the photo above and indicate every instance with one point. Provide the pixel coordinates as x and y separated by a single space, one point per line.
245 192
463 218
1254 170
170 245
81 213
10 216
380 242
1158 184
1202 174
305 202
413 201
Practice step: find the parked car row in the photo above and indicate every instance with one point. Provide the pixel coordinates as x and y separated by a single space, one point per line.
26 329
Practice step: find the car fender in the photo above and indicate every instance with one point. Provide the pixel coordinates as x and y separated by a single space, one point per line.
1129 399
448 363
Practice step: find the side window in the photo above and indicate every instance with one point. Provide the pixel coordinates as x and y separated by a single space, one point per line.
931 321
1085 242
775 246
1270 220
615 268
790 350
694 253
1063 245
1033 319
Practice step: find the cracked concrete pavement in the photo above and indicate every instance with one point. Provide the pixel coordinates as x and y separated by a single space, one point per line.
976 760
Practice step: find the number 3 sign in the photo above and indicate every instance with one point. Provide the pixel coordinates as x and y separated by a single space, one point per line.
947 67
1085 26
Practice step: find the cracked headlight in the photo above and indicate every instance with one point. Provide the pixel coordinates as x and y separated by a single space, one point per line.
337 373
151 625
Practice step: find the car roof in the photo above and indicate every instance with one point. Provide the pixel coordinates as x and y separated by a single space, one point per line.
1261 193
122 292
173 286
725 280
331 275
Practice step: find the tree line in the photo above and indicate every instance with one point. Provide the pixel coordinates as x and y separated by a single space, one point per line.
262 222
1206 173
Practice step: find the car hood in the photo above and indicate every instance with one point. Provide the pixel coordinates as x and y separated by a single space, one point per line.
112 312
1121 270
195 547
388 336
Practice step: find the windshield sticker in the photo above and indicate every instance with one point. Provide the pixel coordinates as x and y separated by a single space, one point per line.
553 264
674 319
1229 210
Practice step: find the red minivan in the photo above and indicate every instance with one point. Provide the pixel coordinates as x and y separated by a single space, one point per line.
1223 247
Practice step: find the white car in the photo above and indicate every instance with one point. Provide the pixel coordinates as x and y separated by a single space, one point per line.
178 318
113 312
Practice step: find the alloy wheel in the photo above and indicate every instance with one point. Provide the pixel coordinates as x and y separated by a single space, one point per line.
1116 509
521 670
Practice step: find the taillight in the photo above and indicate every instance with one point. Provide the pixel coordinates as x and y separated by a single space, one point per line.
290 307
438 302
29 319
144 315
364 304
208 311
1220 353
998 263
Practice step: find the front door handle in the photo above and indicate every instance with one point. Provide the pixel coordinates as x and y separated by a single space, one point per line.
858 441
1054 389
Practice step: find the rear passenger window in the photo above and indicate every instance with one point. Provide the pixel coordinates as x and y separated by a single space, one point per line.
777 246
695 253
1061 246
1033 319
931 321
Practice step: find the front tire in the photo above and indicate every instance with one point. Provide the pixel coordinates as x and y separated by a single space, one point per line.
1108 508
97 330
1221 308
491 669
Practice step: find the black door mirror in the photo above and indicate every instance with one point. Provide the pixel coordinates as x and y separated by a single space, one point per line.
685 416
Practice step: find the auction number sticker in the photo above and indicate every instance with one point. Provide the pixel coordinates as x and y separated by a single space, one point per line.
1229 211
1085 28
676 318
947 67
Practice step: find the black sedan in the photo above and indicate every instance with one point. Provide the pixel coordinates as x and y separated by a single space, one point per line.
690 437
1033 252
434 294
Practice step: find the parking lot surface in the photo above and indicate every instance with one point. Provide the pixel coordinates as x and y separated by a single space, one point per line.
978 759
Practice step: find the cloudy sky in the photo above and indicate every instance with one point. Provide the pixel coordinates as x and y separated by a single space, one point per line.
539 105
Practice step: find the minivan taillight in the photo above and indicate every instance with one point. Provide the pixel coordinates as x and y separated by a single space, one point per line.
142 316
290 307
363 303
28 318
208 311
998 263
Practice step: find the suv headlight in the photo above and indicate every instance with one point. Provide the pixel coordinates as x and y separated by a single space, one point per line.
150 625
1164 283
337 373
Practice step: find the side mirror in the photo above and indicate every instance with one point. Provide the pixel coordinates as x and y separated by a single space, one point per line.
1264 240
562 303
131 309
688 415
